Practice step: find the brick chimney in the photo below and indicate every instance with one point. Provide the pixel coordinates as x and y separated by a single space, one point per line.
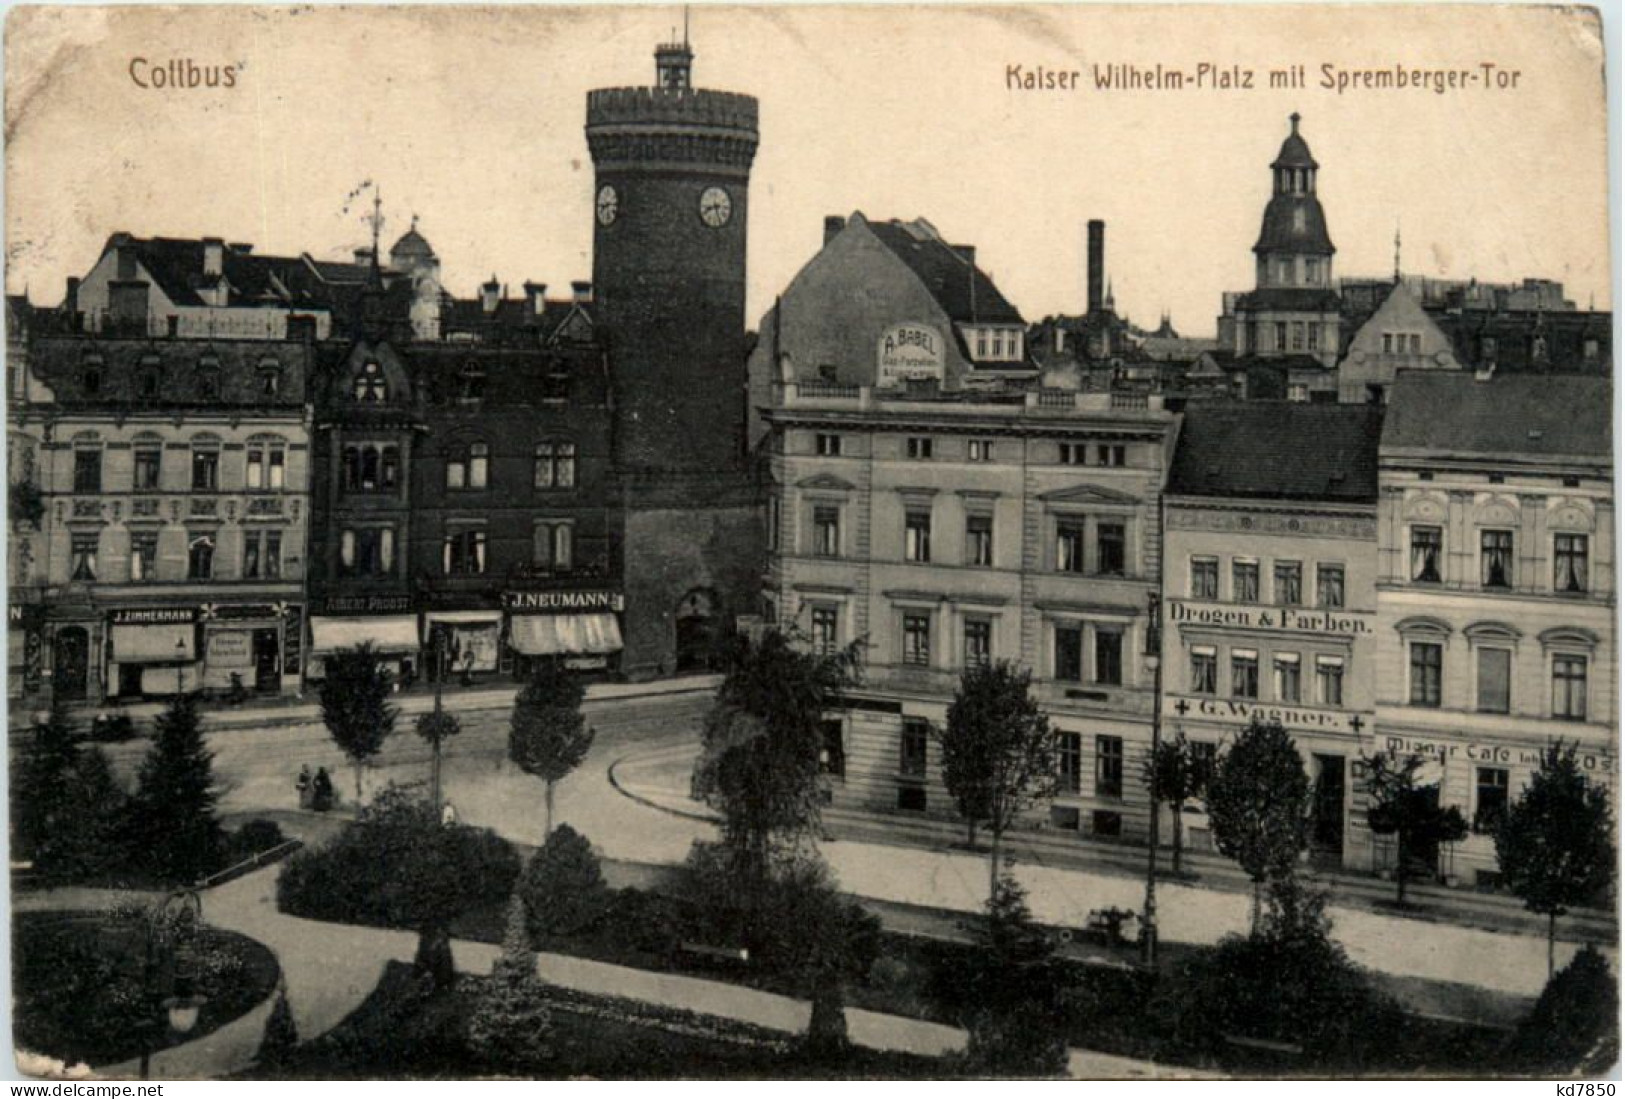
832 227
536 294
581 292
1097 264
214 257
490 295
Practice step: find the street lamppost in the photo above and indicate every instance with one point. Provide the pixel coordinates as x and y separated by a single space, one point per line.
1153 661
180 1010
439 686
180 667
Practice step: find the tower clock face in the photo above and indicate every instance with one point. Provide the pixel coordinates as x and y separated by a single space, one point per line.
716 208
609 204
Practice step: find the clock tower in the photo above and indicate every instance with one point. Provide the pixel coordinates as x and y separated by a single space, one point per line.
670 208
670 204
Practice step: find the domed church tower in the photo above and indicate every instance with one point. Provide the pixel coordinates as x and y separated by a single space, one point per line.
670 211
1293 246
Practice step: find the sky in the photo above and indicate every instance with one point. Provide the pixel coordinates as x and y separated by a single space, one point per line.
471 119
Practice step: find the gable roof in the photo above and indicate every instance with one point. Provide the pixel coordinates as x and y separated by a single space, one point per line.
1278 450
949 272
281 282
1504 416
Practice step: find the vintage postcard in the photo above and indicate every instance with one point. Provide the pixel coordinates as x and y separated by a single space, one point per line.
778 542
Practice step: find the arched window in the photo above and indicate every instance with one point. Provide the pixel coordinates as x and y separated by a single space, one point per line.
555 464
270 376
370 386
267 462
200 558
468 466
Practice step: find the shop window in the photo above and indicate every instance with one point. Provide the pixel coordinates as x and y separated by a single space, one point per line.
1069 545
979 540
1494 681
84 556
1204 670
200 558
917 536
1204 578
1329 586
1427 662
1288 583
1570 562
1109 766
917 638
1490 799
1569 687
1427 546
978 642
911 798
1495 558
1065 818
1106 824
1069 653
1069 762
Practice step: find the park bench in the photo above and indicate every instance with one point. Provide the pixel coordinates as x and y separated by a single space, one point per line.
732 955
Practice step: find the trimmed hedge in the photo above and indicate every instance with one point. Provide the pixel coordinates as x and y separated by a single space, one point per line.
1574 1026
563 885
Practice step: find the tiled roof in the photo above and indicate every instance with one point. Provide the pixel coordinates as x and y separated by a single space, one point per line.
177 368
963 290
1506 415
1528 342
176 265
1278 450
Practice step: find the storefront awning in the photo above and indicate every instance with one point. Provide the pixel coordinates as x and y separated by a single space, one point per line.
461 618
563 634
170 643
389 633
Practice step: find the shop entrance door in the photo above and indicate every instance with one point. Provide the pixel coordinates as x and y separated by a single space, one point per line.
696 632
70 663
129 680
1329 791
267 661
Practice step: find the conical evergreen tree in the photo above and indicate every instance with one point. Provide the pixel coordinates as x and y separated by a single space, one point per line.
41 792
281 1036
174 818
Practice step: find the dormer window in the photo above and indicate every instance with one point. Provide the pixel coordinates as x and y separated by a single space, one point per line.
471 383
149 378
90 377
370 386
208 380
270 377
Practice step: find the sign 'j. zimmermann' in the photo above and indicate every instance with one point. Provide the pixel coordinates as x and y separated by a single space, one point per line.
1305 619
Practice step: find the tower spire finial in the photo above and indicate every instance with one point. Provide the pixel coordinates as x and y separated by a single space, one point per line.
1295 118
1396 250
685 24
377 221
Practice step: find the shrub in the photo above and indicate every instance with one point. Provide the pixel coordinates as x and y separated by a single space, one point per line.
1018 1041
254 837
890 974
281 1036
510 1025
1573 1027
115 728
398 866
1299 988
563 886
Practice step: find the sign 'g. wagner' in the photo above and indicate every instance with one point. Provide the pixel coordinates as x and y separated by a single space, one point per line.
909 351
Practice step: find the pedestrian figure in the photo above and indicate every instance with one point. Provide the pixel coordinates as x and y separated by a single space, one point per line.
322 791
448 815
302 783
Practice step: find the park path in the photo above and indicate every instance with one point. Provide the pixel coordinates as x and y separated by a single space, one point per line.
329 969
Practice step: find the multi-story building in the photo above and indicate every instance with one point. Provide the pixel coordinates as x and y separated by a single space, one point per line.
945 519
1496 597
1270 597
25 528
173 475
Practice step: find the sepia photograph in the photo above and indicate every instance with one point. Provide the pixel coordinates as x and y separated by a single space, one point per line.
658 542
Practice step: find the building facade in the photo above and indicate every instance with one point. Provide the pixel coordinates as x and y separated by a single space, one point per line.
1496 594
173 476
1270 596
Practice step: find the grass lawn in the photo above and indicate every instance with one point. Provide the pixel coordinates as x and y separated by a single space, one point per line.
402 1031
922 978
77 984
